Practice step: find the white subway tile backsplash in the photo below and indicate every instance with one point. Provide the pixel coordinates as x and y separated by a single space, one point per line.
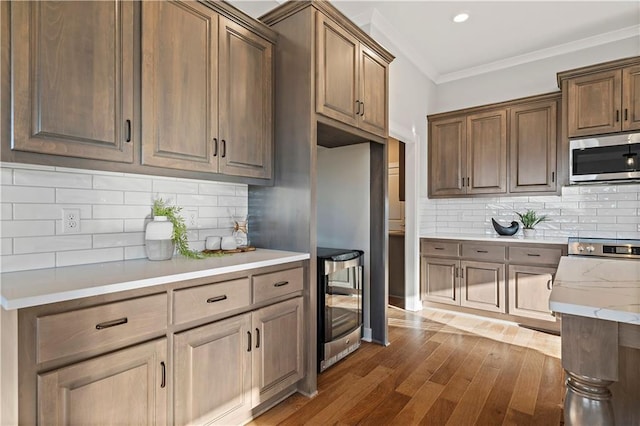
88 196
598 189
27 228
617 212
6 211
619 196
6 246
51 179
629 204
23 262
82 257
118 240
628 219
629 188
25 194
114 209
51 244
598 219
620 227
174 186
122 183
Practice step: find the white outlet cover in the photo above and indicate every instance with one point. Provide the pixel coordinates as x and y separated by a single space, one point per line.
70 221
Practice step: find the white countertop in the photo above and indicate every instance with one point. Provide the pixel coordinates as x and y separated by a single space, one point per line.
38 287
607 289
495 237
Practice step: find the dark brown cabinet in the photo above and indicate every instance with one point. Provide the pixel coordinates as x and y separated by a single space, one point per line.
533 147
207 99
73 79
352 79
603 98
509 147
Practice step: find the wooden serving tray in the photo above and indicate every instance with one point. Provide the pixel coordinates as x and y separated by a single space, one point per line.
238 250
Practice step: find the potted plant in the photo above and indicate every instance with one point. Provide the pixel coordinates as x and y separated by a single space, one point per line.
529 220
167 232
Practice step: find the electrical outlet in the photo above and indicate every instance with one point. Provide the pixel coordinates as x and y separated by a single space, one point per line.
70 221
191 218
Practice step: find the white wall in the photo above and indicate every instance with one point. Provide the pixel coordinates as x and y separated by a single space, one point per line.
114 209
528 79
344 199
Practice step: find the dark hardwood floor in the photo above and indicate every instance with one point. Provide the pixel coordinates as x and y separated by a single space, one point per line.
440 368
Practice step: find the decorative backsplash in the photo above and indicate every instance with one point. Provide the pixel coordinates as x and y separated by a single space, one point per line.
114 209
602 211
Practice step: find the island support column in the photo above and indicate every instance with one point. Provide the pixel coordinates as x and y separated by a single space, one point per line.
590 359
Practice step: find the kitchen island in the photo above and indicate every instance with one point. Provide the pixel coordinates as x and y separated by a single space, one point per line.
599 301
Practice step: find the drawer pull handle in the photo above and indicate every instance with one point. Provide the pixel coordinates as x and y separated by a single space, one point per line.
257 338
163 381
482 251
113 323
281 283
217 299
249 341
439 248
533 254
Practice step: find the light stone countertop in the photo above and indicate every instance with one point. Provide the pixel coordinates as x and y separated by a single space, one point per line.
41 286
607 289
519 238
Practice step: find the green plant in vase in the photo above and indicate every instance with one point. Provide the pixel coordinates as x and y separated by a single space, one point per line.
529 220
179 236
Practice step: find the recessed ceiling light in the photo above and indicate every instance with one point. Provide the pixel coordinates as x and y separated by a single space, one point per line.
461 17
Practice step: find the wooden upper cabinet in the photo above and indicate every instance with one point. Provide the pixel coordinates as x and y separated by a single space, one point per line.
246 102
73 79
373 92
487 152
447 156
594 104
533 146
631 98
352 79
337 78
179 85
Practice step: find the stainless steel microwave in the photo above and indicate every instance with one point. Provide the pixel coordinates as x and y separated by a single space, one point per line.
605 159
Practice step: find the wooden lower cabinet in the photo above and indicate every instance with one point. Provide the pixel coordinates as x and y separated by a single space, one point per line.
224 369
482 286
529 291
439 280
124 387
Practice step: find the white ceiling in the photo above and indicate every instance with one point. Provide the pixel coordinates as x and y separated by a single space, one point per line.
498 34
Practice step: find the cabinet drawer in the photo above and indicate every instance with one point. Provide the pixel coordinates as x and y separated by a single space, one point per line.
433 248
483 252
268 286
212 299
105 326
542 256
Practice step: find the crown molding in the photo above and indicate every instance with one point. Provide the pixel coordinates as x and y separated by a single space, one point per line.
380 24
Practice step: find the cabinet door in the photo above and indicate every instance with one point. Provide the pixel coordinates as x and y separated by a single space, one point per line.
487 152
533 145
373 92
529 291
246 102
179 85
212 373
73 78
124 387
337 72
594 103
447 156
439 280
278 348
631 98
482 286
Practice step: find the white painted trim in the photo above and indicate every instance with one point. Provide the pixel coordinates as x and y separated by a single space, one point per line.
413 304
561 49
401 132
366 334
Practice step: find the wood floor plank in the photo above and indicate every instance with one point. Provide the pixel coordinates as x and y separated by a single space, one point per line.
525 393
440 368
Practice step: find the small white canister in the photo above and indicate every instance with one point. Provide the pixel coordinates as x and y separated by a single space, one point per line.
228 243
212 243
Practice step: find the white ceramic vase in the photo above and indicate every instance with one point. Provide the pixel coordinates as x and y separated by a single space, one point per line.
529 232
158 242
